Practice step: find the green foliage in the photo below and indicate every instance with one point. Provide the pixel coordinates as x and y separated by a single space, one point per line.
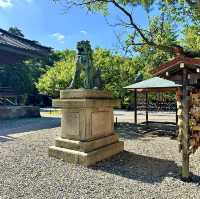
117 72
178 23
39 66
57 77
151 57
191 38
23 76
16 31
176 12
17 77
163 31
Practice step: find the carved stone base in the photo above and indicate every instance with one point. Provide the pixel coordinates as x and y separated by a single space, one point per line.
86 153
87 127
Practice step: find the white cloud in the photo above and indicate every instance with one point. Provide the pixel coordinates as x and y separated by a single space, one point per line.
60 37
6 3
10 3
83 32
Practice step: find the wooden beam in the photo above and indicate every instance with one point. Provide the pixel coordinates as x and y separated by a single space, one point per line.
176 116
147 114
135 102
157 90
23 52
185 129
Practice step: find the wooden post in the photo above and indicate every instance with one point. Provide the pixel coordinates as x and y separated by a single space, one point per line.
185 129
176 116
16 100
147 116
135 102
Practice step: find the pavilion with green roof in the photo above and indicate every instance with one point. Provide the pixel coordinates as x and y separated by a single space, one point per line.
155 84
183 69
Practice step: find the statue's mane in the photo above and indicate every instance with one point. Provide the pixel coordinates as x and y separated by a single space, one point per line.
84 48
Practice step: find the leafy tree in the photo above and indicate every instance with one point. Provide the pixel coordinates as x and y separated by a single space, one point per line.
16 31
59 76
150 56
191 38
39 66
140 35
23 76
17 77
117 72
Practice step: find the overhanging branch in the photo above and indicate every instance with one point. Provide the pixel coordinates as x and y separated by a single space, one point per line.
141 33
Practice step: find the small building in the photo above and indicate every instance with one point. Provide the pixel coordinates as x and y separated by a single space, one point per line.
14 50
182 63
185 69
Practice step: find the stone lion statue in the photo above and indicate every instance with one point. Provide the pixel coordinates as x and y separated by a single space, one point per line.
84 61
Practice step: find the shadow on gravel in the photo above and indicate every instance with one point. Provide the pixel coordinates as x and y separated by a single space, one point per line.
6 138
133 131
139 167
15 126
195 179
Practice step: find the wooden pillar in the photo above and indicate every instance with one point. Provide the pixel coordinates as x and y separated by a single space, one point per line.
135 102
16 101
185 129
176 115
147 116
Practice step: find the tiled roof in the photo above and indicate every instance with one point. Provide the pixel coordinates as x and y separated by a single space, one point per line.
10 40
173 63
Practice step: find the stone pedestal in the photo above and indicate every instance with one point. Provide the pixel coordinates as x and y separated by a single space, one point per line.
87 134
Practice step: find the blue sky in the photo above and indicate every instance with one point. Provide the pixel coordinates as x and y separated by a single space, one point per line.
48 23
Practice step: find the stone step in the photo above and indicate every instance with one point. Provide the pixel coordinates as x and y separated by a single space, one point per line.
86 159
85 146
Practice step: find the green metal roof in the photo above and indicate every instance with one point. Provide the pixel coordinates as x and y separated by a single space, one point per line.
155 82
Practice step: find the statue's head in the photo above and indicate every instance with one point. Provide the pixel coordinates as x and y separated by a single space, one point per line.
84 48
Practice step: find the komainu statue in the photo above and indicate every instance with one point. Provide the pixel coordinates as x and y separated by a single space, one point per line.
85 62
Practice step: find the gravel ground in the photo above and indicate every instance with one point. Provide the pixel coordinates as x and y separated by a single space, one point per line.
148 168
